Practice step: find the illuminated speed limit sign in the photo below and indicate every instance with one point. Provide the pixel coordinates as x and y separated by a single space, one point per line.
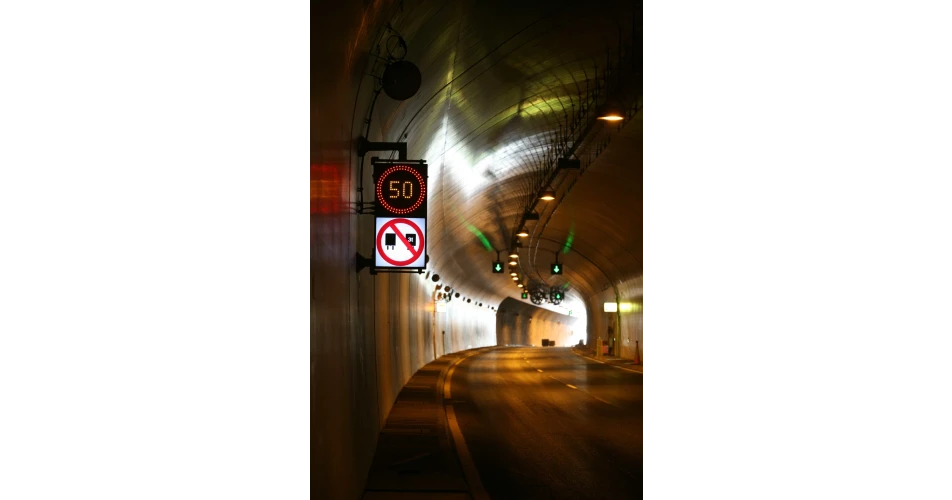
400 212
400 188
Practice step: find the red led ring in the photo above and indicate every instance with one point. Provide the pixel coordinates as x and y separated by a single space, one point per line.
401 211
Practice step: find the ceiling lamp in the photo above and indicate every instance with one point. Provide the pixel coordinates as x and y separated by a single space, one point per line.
520 285
548 194
515 278
512 272
522 232
513 262
611 111
513 255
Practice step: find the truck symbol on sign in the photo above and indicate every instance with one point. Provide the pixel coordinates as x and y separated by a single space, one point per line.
390 240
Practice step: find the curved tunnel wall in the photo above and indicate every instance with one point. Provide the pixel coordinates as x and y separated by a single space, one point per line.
519 323
369 334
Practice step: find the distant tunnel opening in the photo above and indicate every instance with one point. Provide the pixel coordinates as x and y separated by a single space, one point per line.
518 323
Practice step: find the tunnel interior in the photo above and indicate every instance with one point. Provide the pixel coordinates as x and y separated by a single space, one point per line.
508 107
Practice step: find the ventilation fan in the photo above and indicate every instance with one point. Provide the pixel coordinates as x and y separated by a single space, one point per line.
538 296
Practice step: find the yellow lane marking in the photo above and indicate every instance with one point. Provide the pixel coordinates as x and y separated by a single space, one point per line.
447 393
469 467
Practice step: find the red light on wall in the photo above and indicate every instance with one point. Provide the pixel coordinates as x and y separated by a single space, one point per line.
326 190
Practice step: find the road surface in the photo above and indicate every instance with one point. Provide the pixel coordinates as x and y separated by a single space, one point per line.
543 422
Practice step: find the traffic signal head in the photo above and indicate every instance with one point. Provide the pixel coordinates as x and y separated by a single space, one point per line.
557 268
525 295
497 267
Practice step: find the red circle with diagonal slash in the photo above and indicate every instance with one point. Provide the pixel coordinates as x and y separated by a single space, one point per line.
391 224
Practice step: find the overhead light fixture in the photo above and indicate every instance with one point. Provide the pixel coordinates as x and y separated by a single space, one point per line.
532 215
520 285
513 262
515 278
611 113
513 272
548 194
513 255
522 232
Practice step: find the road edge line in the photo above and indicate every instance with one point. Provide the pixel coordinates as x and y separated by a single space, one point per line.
609 364
476 488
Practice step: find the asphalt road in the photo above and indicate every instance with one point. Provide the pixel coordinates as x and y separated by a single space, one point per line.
533 436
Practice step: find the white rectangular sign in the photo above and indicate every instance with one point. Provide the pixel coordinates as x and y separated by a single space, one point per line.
400 243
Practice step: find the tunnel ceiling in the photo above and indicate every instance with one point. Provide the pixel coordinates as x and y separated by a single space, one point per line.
504 83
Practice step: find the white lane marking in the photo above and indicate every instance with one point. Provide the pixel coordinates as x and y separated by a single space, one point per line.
603 401
540 371
609 403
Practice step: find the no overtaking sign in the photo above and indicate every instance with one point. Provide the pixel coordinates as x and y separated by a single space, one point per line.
400 243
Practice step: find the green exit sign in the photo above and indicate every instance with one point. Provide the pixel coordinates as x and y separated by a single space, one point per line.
497 267
556 268
525 295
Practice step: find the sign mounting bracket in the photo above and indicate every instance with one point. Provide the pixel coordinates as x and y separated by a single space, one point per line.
364 146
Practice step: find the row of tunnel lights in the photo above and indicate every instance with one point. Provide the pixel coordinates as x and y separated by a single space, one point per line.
547 195
513 255
611 114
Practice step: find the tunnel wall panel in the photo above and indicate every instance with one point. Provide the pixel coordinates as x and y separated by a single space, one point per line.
629 335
